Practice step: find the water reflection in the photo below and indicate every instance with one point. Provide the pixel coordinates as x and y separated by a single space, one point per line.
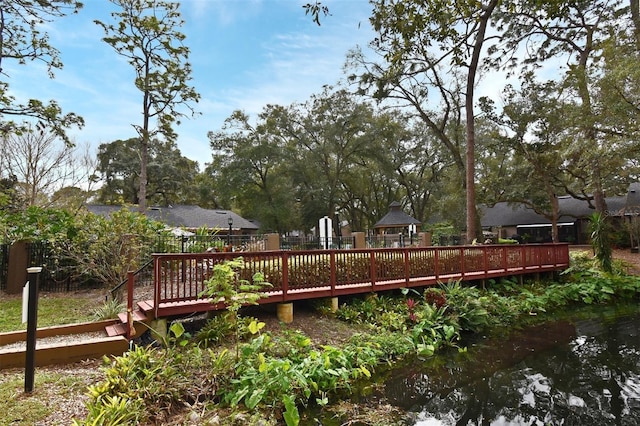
584 372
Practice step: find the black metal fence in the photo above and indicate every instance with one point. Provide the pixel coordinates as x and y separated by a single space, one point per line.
204 243
56 273
315 243
4 265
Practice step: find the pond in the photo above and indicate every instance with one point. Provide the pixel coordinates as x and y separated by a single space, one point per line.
581 370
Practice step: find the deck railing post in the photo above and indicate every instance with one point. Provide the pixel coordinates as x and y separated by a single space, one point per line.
285 275
407 274
539 256
130 284
462 268
157 276
436 259
485 261
372 266
505 264
332 265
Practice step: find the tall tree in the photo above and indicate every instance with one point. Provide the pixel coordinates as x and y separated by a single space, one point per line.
572 32
249 169
21 41
327 135
42 163
417 39
147 36
170 178
534 131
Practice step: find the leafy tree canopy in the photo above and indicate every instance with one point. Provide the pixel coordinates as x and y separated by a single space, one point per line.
22 40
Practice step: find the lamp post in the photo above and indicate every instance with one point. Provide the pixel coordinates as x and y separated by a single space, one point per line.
230 222
32 326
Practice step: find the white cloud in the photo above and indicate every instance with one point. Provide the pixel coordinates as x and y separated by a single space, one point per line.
289 59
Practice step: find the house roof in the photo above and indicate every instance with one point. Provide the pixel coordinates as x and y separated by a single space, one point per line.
395 218
632 202
184 216
513 214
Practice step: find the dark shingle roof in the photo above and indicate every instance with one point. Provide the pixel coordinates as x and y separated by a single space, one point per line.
632 204
395 218
183 216
512 214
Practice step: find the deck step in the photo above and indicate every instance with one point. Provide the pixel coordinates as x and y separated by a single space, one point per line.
118 329
146 306
137 316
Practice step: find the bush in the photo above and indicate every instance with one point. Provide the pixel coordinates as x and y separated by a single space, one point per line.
109 310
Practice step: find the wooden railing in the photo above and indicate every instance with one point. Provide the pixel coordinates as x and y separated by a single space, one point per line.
295 275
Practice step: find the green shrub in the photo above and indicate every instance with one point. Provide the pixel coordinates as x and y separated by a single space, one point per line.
144 377
110 309
468 306
114 411
216 330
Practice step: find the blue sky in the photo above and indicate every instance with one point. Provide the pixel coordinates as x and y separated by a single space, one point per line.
245 54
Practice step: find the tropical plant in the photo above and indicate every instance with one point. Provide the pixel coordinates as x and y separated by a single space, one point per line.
110 309
227 287
600 240
467 304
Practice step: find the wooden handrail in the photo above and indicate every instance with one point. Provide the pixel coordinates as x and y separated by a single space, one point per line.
180 276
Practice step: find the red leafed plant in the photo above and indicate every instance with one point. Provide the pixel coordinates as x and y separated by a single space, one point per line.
435 297
411 306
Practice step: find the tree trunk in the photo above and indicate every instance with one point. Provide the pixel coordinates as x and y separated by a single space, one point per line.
634 5
144 145
142 191
472 231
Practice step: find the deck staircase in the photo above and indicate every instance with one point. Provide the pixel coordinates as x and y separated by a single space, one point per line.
142 314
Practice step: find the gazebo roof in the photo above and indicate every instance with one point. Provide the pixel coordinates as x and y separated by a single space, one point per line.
396 218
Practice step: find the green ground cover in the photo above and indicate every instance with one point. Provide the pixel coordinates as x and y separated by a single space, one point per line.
52 310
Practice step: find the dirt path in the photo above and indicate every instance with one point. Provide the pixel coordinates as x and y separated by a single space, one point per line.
632 259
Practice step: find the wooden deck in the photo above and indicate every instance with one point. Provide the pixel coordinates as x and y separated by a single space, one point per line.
300 275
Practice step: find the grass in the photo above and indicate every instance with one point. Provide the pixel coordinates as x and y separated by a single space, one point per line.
20 408
56 310
53 309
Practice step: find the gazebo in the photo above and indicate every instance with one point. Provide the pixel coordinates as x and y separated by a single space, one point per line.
396 221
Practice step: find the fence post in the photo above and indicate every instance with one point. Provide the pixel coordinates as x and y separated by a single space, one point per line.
273 242
359 240
18 263
285 275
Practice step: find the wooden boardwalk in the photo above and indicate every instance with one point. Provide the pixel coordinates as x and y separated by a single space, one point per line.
298 275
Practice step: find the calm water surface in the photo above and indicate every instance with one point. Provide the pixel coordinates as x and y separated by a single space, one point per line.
567 372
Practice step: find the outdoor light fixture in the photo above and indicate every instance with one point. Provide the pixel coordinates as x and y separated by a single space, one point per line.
230 221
